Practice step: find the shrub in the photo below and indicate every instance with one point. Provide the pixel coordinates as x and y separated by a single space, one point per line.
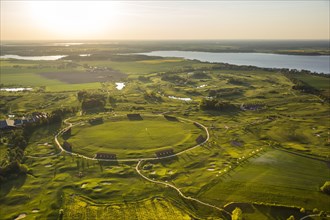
326 187
291 218
216 104
237 214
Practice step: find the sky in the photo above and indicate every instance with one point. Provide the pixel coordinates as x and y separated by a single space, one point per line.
164 20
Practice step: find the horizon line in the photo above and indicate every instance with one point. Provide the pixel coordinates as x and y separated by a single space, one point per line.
213 39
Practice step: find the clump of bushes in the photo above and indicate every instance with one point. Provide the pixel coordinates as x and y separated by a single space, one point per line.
216 104
326 187
237 214
91 101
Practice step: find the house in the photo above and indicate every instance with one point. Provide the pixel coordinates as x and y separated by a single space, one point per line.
3 124
7 124
18 122
105 156
165 153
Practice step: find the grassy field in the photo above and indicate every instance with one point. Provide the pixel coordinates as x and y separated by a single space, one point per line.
154 208
129 139
22 102
275 177
147 66
318 82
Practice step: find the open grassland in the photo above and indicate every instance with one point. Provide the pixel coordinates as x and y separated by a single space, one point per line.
21 102
147 66
154 208
30 74
316 81
276 177
129 139
82 77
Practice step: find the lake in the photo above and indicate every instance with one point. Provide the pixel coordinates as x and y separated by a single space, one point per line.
319 64
32 57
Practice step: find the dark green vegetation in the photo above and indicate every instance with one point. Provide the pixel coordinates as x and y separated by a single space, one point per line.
296 47
268 153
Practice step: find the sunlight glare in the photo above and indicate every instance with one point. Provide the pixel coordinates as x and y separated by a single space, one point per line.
73 19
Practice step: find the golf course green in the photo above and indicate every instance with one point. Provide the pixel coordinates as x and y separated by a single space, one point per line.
133 138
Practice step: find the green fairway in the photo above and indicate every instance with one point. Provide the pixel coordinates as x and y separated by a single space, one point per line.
154 208
147 66
129 139
316 81
276 177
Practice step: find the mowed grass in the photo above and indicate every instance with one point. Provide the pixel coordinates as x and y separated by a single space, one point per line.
276 177
32 77
133 138
316 81
28 78
155 208
147 66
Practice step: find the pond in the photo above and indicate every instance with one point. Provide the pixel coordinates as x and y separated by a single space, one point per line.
120 86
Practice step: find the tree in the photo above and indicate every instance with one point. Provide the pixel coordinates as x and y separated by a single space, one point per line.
17 140
216 104
326 187
291 218
81 95
237 214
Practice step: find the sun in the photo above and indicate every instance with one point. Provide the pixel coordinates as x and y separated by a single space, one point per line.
75 19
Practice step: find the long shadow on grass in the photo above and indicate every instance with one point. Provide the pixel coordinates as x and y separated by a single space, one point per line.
104 164
168 161
278 212
7 186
